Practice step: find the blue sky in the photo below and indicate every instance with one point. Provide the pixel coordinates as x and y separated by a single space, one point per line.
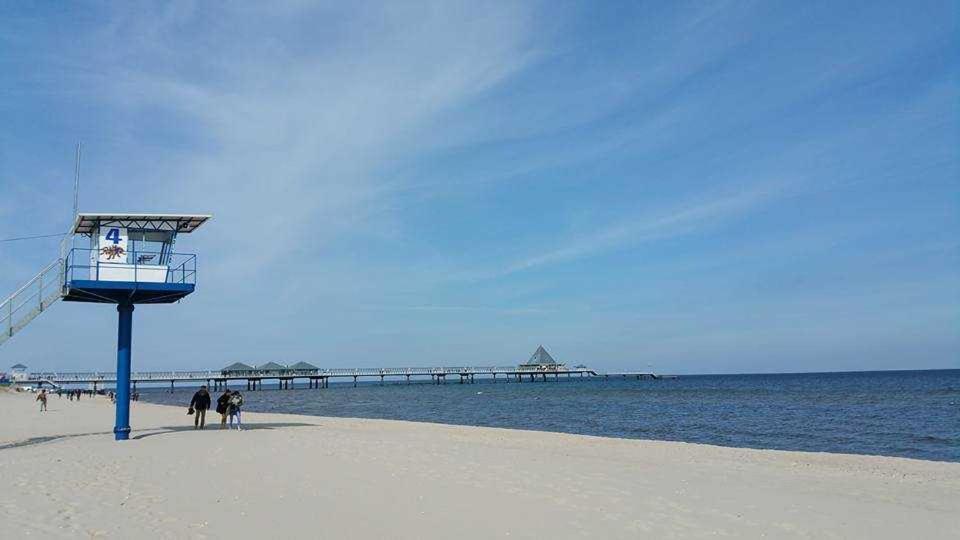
696 187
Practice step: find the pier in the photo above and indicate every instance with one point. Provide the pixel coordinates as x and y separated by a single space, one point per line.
283 378
540 368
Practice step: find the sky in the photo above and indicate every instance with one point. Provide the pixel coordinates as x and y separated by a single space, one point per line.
705 187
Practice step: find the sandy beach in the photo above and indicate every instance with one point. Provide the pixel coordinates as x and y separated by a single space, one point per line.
290 476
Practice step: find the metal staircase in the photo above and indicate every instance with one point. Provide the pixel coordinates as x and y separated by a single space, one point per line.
36 296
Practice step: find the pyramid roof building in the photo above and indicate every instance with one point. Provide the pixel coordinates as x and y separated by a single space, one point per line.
303 366
541 356
272 366
237 366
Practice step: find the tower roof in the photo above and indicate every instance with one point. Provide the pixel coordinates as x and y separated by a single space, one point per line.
180 223
18 366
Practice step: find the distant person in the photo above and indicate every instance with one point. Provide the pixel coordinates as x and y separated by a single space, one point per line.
42 398
223 407
199 405
233 407
136 396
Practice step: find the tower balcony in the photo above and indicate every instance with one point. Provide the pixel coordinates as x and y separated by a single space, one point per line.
138 277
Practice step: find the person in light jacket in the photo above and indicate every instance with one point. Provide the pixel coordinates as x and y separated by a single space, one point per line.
233 408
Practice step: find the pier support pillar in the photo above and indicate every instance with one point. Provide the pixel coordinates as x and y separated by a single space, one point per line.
381 380
408 379
354 381
121 428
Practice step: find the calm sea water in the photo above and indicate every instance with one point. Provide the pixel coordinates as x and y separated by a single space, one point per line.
906 413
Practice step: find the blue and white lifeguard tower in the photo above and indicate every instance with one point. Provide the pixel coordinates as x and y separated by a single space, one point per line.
129 260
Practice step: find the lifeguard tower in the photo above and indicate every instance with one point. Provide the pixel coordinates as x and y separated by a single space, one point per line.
128 260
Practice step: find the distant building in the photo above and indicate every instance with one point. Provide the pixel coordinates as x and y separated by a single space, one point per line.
272 368
541 361
18 372
238 368
302 368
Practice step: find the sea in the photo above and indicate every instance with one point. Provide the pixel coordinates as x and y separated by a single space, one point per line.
913 414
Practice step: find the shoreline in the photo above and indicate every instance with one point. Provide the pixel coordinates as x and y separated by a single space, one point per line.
395 478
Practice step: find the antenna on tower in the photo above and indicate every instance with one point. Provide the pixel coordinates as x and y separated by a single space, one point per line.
76 206
76 186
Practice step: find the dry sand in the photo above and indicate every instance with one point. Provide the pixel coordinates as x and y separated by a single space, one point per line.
62 475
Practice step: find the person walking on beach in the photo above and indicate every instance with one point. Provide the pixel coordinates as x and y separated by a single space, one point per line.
223 406
42 398
233 407
199 405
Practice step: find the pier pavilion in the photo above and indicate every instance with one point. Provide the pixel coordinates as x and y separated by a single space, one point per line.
541 360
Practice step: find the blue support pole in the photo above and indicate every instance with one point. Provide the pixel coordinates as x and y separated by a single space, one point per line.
121 430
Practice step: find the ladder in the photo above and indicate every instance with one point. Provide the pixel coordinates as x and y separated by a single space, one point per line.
37 295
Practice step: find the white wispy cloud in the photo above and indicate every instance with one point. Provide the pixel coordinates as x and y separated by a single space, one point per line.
289 129
684 219
456 309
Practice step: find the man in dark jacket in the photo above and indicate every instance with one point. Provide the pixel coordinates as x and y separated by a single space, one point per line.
223 403
200 403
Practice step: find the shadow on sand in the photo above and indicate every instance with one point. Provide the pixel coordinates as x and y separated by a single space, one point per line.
165 430
50 438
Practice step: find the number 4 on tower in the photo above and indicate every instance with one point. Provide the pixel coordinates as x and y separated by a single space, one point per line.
113 235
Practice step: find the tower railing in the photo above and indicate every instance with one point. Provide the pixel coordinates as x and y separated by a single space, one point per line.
85 264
